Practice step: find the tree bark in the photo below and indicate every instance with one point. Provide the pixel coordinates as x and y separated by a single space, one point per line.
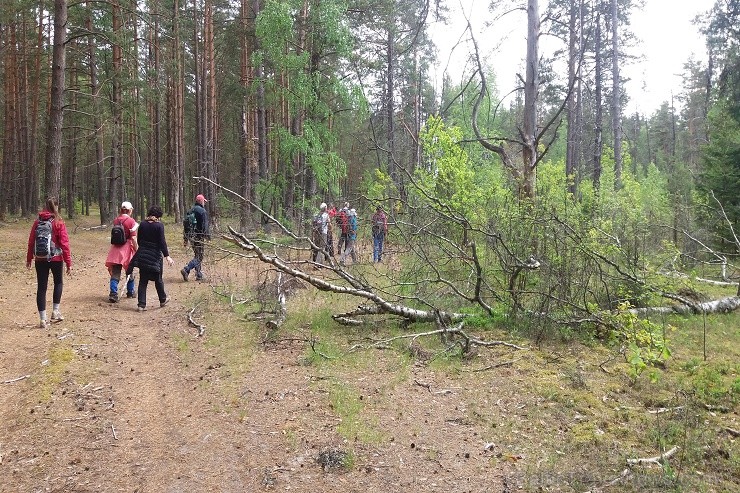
531 90
117 130
53 178
616 96
599 117
105 216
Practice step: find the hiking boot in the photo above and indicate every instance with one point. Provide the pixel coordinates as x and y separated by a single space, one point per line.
132 294
184 274
43 324
113 297
57 315
141 309
162 303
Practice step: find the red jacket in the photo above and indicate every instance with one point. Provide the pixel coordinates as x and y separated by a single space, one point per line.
58 236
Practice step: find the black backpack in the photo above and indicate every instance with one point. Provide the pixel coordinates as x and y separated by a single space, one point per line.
44 247
118 234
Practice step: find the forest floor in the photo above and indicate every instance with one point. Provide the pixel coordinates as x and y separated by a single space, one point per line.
111 399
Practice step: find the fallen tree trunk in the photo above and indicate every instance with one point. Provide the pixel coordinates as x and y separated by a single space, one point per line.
356 287
724 305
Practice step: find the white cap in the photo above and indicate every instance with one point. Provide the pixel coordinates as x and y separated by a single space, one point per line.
127 205
322 206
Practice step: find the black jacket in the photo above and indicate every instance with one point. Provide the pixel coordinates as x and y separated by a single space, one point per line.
152 247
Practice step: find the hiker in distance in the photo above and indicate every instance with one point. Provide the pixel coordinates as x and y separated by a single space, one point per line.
196 229
342 219
48 247
148 257
379 223
320 227
332 211
122 248
351 240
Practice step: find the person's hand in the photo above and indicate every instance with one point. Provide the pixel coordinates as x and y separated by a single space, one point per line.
170 261
28 265
69 270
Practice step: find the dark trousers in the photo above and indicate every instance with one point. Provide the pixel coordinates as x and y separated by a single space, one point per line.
320 241
146 275
42 281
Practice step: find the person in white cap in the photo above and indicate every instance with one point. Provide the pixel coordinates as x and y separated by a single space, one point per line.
196 229
122 249
320 227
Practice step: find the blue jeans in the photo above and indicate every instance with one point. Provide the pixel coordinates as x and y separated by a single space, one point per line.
378 247
197 261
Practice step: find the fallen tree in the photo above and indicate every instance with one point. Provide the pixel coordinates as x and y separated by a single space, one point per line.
453 265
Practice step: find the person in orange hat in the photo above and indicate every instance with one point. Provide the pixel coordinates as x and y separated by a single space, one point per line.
196 229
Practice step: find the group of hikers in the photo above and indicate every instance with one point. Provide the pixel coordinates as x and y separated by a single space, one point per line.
144 246
322 232
133 245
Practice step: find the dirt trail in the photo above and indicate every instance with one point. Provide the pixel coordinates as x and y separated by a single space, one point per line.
117 400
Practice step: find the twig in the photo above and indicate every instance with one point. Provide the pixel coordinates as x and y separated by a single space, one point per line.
653 460
732 432
17 379
497 365
115 436
201 328
427 386
665 410
626 474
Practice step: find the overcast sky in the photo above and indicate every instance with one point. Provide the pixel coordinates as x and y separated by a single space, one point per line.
664 26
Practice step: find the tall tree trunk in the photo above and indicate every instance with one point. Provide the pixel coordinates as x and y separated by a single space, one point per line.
572 136
10 118
248 136
33 198
53 178
209 52
599 117
176 122
117 130
105 215
616 96
154 148
390 111
531 89
70 171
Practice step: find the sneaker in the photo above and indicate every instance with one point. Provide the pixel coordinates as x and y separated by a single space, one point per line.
162 303
132 294
57 315
113 297
43 324
184 274
142 308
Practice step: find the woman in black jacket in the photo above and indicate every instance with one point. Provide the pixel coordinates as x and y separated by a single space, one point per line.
148 258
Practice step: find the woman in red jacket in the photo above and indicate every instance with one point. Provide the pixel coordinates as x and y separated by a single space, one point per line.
48 247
